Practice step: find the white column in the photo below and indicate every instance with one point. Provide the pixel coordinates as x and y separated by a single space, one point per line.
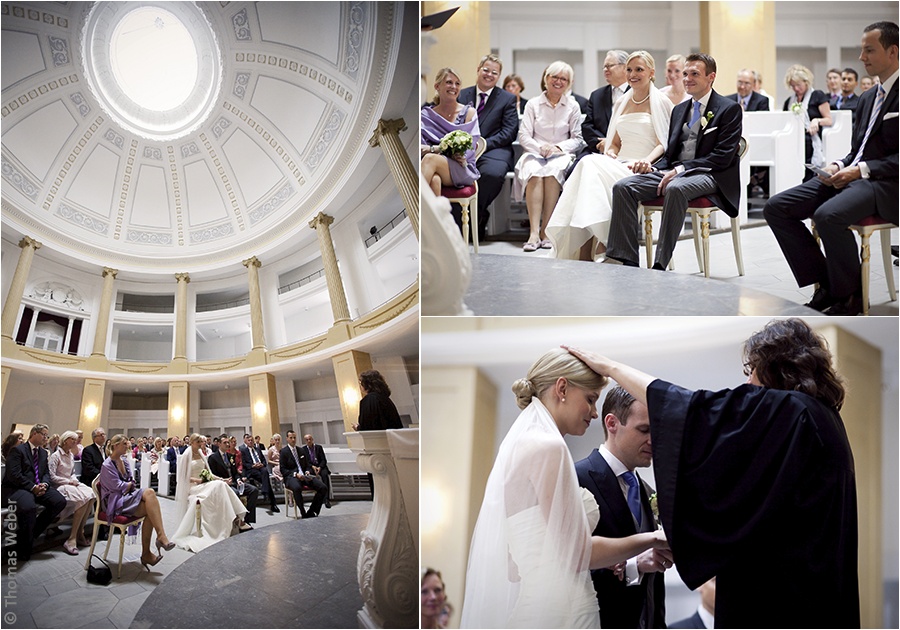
362 280
181 315
387 136
273 319
65 348
106 305
257 332
29 338
17 286
336 294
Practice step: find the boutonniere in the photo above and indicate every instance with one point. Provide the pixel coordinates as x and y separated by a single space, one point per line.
705 120
796 108
654 508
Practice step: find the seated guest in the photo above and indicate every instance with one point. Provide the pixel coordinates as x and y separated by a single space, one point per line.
813 106
439 119
26 484
862 183
319 463
78 446
79 497
120 496
706 611
498 123
222 464
701 159
515 86
273 454
848 100
157 453
833 82
433 599
297 472
758 88
601 101
550 136
255 468
52 443
674 89
220 509
749 100
204 446
866 83
10 442
183 444
637 137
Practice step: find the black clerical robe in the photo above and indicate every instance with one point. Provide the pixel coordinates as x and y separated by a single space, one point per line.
756 486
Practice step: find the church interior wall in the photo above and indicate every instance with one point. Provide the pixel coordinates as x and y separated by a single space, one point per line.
32 399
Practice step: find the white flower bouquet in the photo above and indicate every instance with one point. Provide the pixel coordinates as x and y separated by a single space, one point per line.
456 143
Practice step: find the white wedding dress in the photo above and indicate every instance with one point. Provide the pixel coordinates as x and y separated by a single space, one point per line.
529 562
584 209
219 507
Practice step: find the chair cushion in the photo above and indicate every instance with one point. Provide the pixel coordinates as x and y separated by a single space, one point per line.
872 220
699 202
119 520
458 193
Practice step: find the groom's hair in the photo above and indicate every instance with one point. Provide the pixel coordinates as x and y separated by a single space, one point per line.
618 403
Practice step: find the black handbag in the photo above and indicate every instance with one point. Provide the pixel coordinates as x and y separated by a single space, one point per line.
100 575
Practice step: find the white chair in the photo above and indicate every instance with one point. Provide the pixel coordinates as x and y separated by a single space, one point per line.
119 523
467 197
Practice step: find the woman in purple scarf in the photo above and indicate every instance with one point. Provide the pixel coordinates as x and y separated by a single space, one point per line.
120 497
438 120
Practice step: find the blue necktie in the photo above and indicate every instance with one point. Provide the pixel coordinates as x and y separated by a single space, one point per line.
695 116
634 496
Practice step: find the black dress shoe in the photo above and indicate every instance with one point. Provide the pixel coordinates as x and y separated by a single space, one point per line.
328 504
851 305
821 299
275 509
895 250
658 267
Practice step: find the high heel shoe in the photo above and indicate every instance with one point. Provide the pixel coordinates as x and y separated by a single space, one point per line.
148 564
161 547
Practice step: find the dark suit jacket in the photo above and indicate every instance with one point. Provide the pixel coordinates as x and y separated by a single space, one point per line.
693 621
880 153
289 466
247 458
848 102
221 465
498 122
91 461
621 606
582 102
322 462
596 119
20 469
717 148
758 102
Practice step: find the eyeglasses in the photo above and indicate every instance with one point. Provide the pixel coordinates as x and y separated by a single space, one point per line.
559 78
493 73
748 368
608 66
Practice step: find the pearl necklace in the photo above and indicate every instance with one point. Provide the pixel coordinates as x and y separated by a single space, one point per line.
640 101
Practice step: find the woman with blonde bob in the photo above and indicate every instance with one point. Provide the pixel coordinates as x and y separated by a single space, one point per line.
637 136
532 551
550 136
813 106
79 498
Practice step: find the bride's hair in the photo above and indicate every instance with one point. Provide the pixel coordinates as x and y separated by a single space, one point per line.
195 437
548 369
644 56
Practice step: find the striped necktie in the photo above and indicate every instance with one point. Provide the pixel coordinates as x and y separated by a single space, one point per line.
876 109
482 99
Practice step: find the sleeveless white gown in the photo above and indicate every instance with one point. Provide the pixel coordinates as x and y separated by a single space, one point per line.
219 506
527 531
585 207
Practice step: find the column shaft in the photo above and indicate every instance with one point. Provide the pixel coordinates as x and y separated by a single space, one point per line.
336 294
387 136
181 315
179 408
102 330
257 328
17 288
347 368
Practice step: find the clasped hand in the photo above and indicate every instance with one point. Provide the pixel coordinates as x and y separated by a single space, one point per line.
639 167
840 178
549 149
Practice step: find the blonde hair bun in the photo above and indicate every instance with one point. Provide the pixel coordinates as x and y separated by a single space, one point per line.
524 391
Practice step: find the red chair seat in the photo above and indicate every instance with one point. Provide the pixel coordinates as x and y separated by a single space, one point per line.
871 220
699 202
119 520
458 193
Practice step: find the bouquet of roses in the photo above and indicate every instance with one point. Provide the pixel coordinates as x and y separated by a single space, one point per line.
796 108
456 143
206 475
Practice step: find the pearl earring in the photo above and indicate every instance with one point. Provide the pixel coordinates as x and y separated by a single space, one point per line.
564 399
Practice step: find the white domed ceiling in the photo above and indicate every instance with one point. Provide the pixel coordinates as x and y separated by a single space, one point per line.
146 134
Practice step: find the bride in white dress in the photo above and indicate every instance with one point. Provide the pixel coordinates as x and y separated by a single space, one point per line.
532 549
637 136
220 508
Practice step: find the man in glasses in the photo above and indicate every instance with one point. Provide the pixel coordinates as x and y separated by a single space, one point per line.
498 121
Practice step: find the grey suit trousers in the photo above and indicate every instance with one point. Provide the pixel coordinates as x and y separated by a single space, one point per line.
625 226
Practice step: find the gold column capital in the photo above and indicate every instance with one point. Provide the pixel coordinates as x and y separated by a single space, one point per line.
183 277
108 271
253 261
321 219
386 127
27 241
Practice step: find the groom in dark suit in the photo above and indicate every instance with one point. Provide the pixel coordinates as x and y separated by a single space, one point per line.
861 184
701 160
638 600
26 484
498 121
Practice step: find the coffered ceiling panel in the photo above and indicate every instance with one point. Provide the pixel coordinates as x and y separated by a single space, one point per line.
53 124
270 129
